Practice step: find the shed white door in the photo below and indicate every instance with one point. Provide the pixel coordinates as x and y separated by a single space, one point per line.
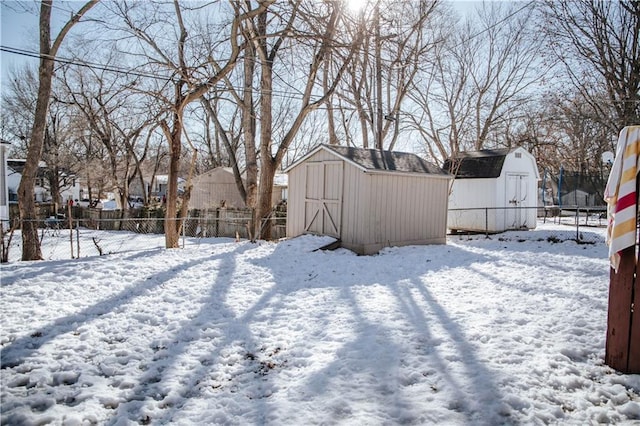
517 201
323 198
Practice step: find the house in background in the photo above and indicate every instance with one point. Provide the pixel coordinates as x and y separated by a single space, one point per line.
578 189
494 190
217 188
367 198
69 184
280 188
160 184
70 187
14 176
154 187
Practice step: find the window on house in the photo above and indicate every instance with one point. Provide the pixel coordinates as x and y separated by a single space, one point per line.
518 155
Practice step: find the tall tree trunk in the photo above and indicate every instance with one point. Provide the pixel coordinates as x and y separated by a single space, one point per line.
174 136
26 202
26 196
249 131
262 225
333 137
265 195
171 224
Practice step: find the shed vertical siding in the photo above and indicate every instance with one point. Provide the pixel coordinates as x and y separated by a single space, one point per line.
523 165
355 199
295 203
332 203
404 210
212 188
314 184
377 209
323 197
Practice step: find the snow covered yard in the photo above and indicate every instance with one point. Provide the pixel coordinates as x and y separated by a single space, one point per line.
507 330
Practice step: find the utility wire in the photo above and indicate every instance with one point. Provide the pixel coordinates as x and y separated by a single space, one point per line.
130 72
102 67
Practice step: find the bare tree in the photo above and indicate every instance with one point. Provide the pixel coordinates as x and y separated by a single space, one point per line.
214 138
597 42
18 107
294 29
229 136
563 131
56 152
479 80
118 117
48 51
381 75
91 159
60 130
191 77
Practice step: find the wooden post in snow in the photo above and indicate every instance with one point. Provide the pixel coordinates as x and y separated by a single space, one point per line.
623 322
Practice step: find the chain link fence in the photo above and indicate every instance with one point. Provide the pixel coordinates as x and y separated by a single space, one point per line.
484 219
61 238
94 235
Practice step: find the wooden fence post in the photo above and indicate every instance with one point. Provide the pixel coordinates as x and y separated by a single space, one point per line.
623 323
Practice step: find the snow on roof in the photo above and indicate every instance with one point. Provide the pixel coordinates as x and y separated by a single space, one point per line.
18 164
164 179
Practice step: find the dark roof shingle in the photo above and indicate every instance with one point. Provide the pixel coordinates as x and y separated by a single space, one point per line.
374 159
486 163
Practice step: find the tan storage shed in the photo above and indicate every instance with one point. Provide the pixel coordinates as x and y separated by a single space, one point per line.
367 198
217 188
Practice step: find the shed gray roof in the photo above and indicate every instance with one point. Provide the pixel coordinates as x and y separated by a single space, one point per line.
486 163
375 159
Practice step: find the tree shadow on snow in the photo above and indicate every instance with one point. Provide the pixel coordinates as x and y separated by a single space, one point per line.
219 336
472 393
16 352
215 341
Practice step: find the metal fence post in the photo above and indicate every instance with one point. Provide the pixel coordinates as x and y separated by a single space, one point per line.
486 222
577 224
78 238
184 231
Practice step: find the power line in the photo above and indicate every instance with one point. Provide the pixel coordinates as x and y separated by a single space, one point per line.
101 67
129 72
495 24
219 87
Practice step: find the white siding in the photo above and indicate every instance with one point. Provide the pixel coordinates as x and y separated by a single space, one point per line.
4 191
478 194
474 195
